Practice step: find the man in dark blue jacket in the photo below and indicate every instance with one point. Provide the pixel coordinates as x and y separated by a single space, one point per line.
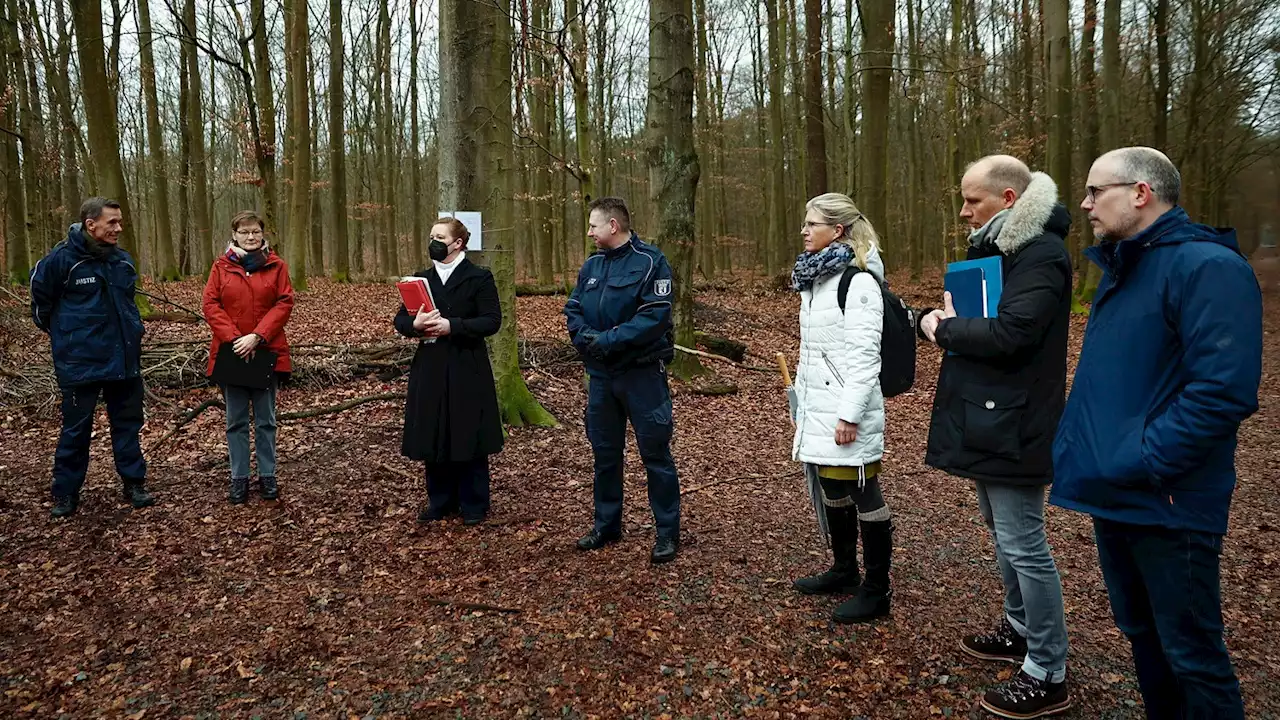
82 295
1171 365
619 318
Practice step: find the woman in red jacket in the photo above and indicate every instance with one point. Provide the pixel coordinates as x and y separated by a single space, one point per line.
247 302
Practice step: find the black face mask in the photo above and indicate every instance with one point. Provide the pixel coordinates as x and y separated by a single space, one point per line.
438 251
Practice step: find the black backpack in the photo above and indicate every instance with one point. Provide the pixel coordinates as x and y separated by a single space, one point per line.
898 339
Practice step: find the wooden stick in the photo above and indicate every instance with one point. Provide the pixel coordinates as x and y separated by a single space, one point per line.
299 414
186 418
722 358
397 471
782 365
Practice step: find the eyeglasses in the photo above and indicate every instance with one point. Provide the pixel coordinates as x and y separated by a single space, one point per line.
809 225
249 233
1091 191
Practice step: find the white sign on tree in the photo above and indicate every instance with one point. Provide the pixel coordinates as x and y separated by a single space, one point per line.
471 219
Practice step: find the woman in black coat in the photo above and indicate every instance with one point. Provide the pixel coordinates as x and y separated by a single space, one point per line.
451 419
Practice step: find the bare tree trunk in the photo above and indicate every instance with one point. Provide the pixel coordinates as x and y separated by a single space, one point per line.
814 131
16 242
1088 81
581 113
415 153
603 86
1161 136
850 106
1058 94
878 45
203 236
300 162
185 260
705 221
26 97
540 113
673 162
338 143
778 235
315 258
104 135
167 263
476 170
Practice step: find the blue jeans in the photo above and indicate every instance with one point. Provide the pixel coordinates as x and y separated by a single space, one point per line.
638 394
1032 587
1166 597
124 412
238 400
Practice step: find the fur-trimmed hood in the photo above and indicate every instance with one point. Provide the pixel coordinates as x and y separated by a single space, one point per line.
1032 214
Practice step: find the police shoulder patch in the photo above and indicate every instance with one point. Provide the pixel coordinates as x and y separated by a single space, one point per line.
662 287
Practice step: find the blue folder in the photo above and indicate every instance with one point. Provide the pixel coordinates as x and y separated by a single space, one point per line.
968 293
992 278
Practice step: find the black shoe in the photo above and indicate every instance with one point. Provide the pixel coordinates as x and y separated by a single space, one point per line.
595 540
843 577
1003 644
873 597
472 520
664 550
428 515
270 490
1024 697
65 506
238 494
136 495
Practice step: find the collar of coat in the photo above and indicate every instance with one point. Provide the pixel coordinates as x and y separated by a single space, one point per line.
1028 216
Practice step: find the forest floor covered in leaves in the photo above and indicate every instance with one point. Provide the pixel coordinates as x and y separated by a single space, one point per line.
334 603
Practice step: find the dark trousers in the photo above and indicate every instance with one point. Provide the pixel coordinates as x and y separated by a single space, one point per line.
640 395
1166 597
459 487
124 411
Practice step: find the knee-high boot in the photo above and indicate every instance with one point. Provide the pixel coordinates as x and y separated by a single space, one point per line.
873 596
843 576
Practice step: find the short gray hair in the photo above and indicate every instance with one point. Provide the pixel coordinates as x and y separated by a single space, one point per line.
1003 171
1150 166
92 208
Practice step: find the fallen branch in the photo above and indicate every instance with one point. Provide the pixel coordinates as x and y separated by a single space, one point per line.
470 606
187 418
722 481
722 358
397 471
299 414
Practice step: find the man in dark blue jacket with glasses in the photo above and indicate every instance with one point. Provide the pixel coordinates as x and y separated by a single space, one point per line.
82 295
619 318
1171 365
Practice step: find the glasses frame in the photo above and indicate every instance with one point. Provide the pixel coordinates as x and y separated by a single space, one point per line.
1091 191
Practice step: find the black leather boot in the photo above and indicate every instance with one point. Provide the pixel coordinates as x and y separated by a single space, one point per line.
873 597
136 494
843 576
238 493
270 490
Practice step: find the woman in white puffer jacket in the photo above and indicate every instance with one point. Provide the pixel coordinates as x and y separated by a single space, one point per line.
839 406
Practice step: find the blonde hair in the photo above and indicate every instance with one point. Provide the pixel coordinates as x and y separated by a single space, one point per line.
839 209
457 230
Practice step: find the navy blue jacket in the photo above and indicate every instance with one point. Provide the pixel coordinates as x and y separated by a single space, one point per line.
625 295
1171 365
86 306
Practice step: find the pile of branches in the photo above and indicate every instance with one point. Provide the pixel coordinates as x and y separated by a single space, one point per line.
180 365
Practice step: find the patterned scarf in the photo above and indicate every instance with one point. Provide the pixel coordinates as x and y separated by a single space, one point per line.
813 266
250 261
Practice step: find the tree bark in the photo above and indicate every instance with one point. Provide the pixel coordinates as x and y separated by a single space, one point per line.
300 162
415 152
814 131
104 135
266 120
673 162
581 114
475 171
777 240
166 266
338 143
203 232
878 45
17 260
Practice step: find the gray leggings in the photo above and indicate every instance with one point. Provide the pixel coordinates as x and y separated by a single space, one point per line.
864 497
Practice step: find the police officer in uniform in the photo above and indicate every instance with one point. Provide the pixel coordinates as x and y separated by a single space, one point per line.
619 319
82 296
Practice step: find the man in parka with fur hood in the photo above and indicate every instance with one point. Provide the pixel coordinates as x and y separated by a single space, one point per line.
1000 394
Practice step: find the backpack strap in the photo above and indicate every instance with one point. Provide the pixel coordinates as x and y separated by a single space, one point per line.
842 291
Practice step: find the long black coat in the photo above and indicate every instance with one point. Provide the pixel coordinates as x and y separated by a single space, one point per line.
1002 386
451 413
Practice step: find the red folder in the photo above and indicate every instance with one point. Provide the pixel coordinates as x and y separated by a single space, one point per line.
415 293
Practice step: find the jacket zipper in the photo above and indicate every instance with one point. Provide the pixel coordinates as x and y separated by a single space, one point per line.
603 283
831 366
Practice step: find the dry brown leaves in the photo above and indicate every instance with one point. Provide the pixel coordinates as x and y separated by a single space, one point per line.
329 604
